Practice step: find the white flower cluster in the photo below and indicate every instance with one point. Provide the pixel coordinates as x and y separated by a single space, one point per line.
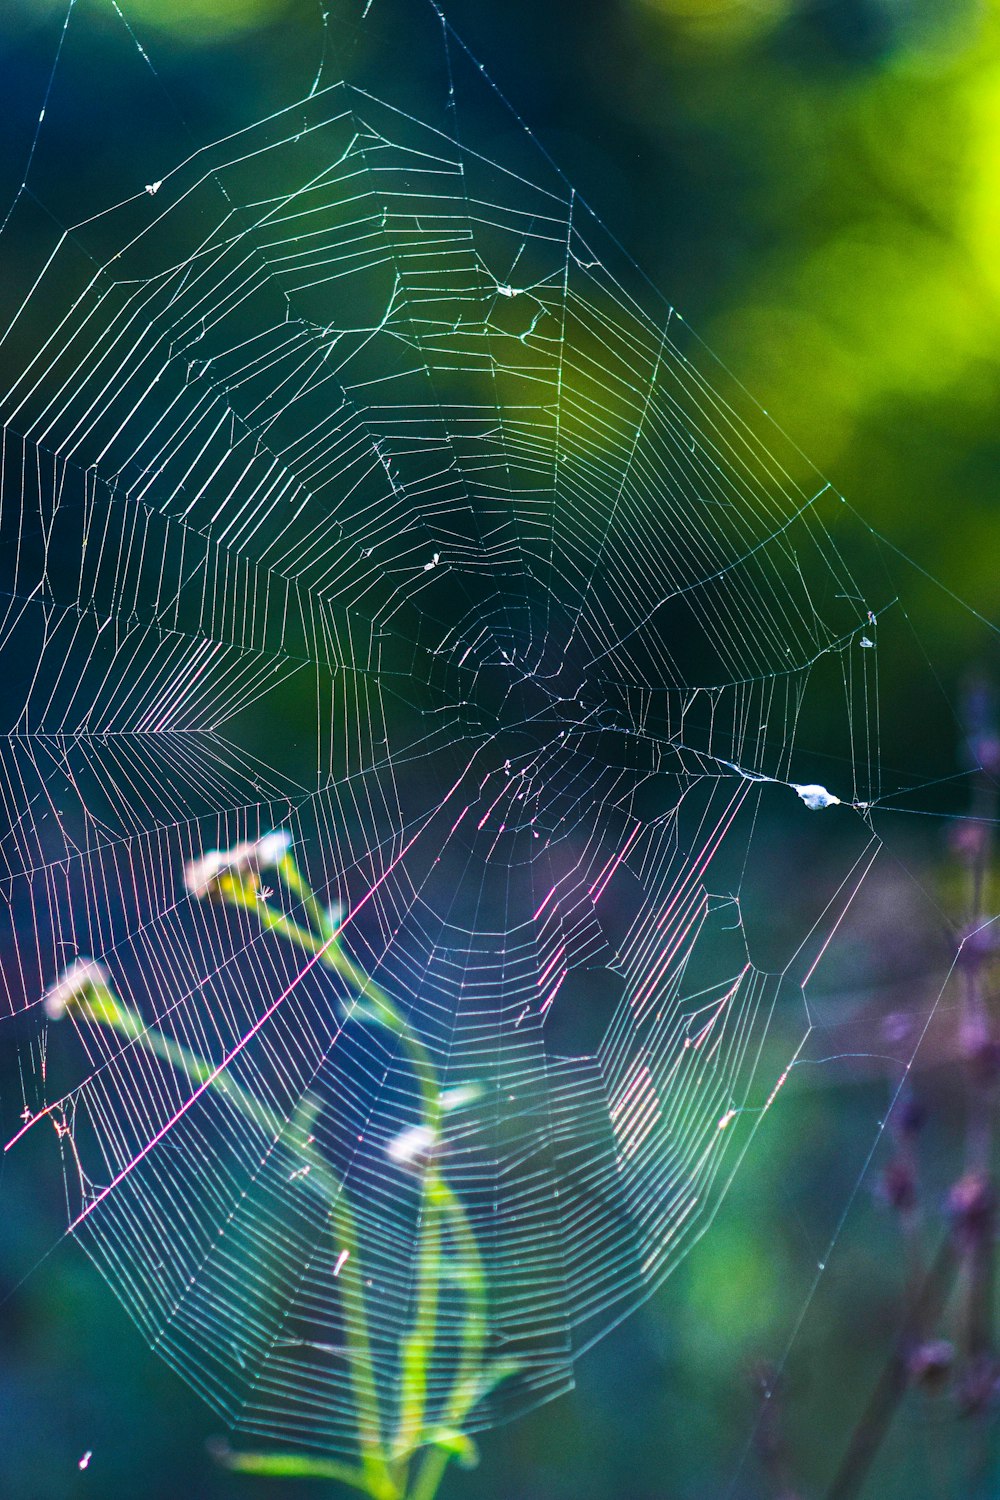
413 1149
459 1097
202 876
80 976
417 1146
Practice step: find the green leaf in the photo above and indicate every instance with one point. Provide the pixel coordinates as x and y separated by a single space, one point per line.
289 1466
457 1443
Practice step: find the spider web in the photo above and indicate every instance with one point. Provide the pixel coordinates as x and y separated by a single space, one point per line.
354 483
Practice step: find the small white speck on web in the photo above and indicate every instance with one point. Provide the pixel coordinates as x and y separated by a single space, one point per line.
433 562
814 796
84 1462
342 1260
867 642
153 187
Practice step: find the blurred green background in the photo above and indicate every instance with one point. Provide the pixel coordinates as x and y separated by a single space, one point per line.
817 187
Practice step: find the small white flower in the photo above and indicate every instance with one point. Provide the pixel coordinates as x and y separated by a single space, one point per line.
202 876
74 981
413 1148
459 1097
815 796
270 850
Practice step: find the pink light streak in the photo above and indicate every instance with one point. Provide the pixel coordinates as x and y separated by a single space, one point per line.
553 992
597 889
545 903
551 965
258 1024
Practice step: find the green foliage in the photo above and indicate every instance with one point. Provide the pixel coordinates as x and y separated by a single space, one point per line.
407 1459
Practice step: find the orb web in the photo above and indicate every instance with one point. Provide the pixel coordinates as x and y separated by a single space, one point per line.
355 484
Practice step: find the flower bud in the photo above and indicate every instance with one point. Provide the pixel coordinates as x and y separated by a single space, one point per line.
985 749
74 983
977 1384
981 1052
459 1097
202 876
968 840
910 1117
414 1148
899 1185
930 1365
977 945
270 850
972 1208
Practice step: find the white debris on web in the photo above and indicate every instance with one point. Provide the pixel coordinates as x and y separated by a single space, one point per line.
812 793
814 796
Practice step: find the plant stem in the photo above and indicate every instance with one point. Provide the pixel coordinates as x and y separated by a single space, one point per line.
292 879
361 1366
466 1386
870 1431
383 1473
418 1345
293 1466
105 1008
430 1474
245 894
